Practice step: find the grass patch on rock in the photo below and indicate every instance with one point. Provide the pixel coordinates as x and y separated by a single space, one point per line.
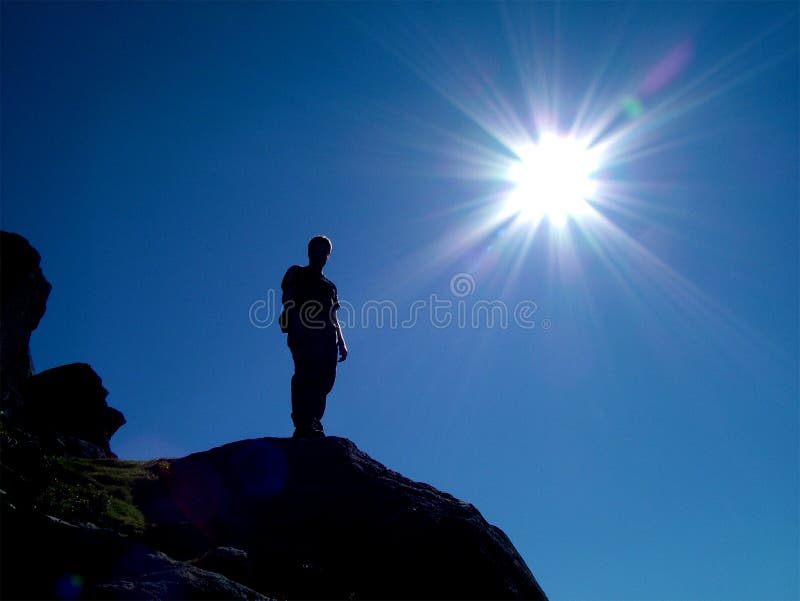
100 491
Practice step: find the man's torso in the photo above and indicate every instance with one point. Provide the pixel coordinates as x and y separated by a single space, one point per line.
311 300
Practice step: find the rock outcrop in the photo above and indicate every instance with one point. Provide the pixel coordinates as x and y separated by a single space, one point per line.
24 291
67 406
273 517
321 519
64 409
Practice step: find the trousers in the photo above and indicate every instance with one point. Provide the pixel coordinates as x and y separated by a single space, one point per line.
315 355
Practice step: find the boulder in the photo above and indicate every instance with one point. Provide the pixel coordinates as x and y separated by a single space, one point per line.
47 558
318 518
170 579
233 563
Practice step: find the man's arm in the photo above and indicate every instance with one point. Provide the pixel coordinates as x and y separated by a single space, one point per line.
340 343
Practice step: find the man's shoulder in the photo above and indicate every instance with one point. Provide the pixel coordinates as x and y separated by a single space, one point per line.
300 273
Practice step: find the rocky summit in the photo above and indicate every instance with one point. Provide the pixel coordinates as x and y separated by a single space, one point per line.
270 518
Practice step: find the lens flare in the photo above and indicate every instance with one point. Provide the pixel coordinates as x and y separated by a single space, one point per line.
552 179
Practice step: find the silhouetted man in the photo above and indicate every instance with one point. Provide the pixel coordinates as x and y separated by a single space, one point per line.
310 302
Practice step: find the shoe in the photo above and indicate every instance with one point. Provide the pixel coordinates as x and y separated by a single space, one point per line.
308 433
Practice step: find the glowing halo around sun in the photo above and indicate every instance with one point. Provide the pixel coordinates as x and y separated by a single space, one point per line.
552 179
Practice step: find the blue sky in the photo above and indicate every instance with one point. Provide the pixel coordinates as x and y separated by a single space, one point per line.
170 161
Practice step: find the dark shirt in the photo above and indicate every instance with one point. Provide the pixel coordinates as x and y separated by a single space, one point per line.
310 300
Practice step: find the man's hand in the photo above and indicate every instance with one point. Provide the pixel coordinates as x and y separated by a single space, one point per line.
342 350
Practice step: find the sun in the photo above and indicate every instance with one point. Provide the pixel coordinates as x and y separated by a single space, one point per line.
552 179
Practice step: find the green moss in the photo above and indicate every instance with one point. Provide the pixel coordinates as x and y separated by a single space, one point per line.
100 491
127 515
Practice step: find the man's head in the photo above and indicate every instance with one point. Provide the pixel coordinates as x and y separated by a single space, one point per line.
319 249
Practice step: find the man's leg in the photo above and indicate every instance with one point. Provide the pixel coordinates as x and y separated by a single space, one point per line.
302 388
324 378
314 374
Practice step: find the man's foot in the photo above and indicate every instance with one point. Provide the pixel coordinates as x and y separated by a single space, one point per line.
308 433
